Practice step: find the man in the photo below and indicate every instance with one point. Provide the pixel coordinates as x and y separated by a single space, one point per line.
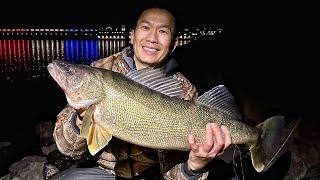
152 39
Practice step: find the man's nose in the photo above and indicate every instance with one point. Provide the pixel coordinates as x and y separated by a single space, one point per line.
152 36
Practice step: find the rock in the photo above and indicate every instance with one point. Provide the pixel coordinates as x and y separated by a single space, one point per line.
45 132
30 167
59 160
8 155
50 170
4 144
46 150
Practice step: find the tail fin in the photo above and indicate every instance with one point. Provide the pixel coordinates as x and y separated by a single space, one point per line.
275 133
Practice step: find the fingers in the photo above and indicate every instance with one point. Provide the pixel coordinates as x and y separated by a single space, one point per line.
218 140
192 142
97 63
104 62
227 137
209 139
82 114
78 122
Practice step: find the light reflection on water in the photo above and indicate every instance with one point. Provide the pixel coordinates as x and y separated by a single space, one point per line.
28 59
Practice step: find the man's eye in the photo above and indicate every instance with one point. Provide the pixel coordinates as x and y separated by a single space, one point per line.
162 31
144 27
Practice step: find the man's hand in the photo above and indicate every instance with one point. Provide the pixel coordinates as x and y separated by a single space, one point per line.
81 114
217 139
105 63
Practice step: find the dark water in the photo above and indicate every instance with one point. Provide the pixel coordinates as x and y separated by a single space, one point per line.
27 58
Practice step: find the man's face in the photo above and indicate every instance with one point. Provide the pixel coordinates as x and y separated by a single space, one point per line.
152 37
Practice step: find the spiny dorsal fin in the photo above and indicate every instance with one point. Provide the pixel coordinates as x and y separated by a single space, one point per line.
157 80
220 97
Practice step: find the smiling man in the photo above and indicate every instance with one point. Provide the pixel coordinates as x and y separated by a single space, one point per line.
153 38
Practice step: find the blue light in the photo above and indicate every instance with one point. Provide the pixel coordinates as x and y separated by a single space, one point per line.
87 52
72 51
77 51
66 45
81 51
82 57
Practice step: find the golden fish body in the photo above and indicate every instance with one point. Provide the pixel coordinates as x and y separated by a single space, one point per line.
148 118
143 108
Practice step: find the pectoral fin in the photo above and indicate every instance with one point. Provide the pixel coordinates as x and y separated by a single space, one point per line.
86 122
98 138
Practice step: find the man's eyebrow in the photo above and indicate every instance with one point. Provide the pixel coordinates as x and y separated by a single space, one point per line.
161 26
144 21
165 26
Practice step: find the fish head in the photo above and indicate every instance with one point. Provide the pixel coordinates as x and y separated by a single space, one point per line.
81 84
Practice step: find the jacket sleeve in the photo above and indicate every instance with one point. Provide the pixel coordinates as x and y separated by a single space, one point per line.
190 90
66 134
174 163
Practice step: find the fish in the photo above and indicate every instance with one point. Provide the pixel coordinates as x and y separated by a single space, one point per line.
145 107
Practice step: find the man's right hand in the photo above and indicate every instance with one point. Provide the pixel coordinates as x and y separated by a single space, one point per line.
79 118
105 63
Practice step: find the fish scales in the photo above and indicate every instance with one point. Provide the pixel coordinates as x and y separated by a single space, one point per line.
160 121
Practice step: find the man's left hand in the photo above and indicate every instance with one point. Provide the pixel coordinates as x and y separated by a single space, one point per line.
217 139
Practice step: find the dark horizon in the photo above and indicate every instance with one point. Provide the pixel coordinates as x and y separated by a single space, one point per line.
95 13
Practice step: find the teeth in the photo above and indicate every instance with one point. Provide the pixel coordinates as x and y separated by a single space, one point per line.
149 49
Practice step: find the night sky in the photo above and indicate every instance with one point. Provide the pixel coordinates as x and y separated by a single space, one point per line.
99 12
247 22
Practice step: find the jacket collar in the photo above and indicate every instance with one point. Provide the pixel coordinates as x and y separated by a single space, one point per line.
170 66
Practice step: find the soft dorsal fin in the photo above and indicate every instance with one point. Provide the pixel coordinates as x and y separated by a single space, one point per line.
220 97
157 80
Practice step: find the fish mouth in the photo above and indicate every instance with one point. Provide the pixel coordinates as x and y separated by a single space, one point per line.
54 73
50 69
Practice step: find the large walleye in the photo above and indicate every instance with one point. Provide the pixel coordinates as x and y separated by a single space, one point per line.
145 108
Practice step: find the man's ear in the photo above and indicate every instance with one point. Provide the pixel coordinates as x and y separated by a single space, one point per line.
131 36
174 44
